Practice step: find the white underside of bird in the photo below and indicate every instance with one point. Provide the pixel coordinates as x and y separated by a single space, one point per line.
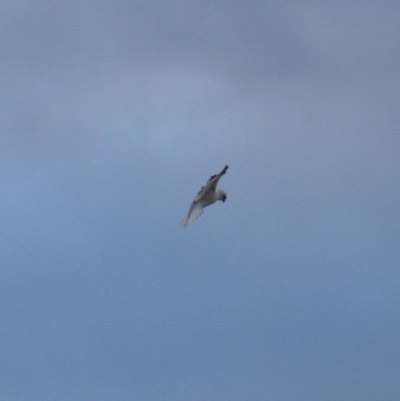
207 195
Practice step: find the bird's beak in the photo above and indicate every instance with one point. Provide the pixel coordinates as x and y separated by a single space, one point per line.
223 200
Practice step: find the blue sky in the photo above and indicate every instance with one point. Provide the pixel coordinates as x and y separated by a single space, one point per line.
113 115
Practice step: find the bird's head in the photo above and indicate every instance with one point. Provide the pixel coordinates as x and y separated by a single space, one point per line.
221 195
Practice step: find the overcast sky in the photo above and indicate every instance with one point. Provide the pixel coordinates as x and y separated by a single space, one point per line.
113 114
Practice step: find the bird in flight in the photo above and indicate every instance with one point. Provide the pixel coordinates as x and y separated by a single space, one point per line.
206 196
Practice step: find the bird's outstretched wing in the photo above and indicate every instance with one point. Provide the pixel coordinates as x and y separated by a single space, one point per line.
195 211
211 184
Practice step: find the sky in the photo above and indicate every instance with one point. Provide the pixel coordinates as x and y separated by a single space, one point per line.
113 114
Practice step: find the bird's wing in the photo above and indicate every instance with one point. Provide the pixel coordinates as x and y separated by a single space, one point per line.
195 211
211 183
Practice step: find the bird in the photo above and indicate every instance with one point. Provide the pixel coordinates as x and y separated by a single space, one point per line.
207 195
